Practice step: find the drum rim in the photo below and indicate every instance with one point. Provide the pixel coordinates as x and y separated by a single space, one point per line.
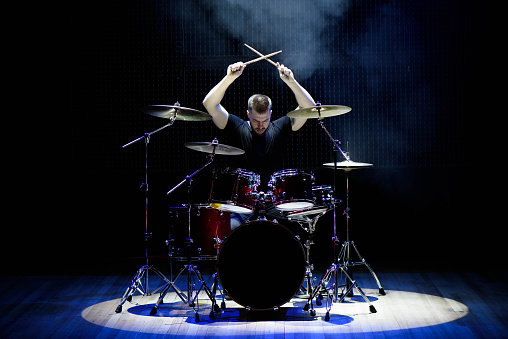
242 171
203 257
289 201
288 172
320 187
304 255
292 171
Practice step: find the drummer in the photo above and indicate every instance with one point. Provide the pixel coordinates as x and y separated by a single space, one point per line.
264 141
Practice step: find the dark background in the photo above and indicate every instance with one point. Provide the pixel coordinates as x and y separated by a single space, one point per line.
412 71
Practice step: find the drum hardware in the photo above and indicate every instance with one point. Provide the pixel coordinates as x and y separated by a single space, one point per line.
332 275
320 112
322 285
336 148
191 298
215 309
344 257
261 202
136 283
306 292
193 273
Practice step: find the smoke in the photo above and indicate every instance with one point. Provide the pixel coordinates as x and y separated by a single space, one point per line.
302 29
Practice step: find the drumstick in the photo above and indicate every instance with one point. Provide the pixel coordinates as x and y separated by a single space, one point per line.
252 49
261 58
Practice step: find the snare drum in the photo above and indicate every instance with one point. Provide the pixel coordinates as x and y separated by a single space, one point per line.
231 190
323 201
292 189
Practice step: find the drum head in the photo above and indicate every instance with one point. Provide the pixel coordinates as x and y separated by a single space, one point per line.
261 265
294 206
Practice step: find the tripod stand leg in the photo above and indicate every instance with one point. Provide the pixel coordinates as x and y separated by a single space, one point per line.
216 285
170 284
156 271
354 284
137 285
322 285
381 289
215 308
136 281
153 311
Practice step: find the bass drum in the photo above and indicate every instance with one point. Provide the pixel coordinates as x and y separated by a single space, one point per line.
261 265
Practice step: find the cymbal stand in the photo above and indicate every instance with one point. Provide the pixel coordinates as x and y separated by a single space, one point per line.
192 272
345 252
343 263
136 283
335 238
333 270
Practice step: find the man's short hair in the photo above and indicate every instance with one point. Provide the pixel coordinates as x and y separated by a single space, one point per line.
260 103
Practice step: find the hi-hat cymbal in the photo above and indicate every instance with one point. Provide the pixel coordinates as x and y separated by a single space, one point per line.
348 165
209 147
322 111
182 113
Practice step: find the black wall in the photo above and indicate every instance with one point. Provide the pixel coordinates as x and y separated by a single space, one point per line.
408 70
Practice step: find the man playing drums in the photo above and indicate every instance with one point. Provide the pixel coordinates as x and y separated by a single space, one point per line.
263 141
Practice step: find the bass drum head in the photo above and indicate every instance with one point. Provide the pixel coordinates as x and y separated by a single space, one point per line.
261 265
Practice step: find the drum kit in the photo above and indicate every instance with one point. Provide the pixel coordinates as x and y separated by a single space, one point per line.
260 248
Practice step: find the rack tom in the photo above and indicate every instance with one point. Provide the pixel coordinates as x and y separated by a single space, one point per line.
232 190
292 189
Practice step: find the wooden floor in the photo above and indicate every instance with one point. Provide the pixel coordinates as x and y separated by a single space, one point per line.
417 305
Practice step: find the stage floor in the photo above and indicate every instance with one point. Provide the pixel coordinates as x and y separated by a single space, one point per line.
416 305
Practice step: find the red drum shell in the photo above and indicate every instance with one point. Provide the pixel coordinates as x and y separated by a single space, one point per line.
207 223
231 190
292 189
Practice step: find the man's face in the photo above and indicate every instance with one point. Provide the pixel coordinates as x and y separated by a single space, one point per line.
259 121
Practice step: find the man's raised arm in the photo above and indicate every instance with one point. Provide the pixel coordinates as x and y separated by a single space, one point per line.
214 97
303 97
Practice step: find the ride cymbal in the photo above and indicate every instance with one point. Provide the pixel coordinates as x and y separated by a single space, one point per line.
348 165
209 147
321 111
182 113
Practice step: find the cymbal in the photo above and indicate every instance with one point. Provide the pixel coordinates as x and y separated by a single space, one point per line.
348 165
208 147
314 112
182 113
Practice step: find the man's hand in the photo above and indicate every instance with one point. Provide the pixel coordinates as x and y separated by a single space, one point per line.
285 74
235 70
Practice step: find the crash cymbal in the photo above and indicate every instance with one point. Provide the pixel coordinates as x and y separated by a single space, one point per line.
348 165
182 113
208 147
323 111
